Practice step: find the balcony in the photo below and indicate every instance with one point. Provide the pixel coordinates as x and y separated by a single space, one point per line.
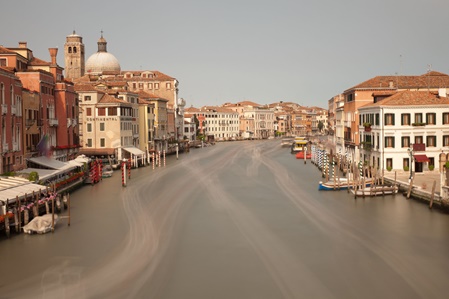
5 147
15 146
13 109
53 122
4 109
29 122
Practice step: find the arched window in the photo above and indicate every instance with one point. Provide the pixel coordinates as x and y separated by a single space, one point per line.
74 49
70 50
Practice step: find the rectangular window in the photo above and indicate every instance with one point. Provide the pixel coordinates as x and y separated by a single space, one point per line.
418 118
389 142
102 142
88 111
2 61
377 119
89 142
405 163
405 141
112 111
389 163
150 85
446 140
140 85
431 118
101 111
87 98
419 140
102 127
446 118
431 141
405 119
156 85
89 127
168 85
389 119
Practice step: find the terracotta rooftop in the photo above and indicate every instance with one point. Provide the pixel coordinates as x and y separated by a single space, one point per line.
411 98
110 99
429 80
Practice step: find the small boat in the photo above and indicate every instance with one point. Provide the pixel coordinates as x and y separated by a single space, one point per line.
287 142
339 184
107 171
40 224
300 155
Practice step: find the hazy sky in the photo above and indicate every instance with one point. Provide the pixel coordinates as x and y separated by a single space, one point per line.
234 50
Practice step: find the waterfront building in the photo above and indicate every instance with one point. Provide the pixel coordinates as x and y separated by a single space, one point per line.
146 122
31 136
103 68
222 123
405 131
56 117
12 152
105 123
378 88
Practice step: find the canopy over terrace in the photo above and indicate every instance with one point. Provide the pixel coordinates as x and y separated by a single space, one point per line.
134 154
15 187
50 169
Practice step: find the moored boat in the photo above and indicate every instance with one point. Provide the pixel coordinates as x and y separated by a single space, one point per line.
340 184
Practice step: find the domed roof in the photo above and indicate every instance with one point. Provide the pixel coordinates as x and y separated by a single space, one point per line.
102 60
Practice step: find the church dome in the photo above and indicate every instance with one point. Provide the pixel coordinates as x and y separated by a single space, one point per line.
102 61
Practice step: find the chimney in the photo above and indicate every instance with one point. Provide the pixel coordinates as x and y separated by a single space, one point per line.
53 53
23 45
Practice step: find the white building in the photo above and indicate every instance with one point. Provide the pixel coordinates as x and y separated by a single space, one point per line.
406 131
221 122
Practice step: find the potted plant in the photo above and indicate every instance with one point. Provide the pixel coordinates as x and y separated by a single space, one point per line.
389 168
406 168
431 167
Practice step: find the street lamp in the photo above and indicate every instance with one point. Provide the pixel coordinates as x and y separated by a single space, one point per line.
410 151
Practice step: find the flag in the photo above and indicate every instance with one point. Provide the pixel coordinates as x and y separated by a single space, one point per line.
43 146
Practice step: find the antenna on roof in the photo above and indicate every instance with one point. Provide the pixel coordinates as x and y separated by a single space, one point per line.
429 68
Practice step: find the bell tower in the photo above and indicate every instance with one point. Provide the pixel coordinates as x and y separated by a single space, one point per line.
74 56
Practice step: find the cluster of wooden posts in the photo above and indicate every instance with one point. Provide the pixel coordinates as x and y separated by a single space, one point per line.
360 179
19 211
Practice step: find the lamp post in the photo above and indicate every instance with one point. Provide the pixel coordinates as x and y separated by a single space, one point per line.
410 151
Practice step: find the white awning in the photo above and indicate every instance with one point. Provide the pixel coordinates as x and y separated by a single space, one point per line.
51 163
134 150
13 187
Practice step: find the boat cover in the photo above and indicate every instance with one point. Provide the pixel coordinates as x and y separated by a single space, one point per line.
39 224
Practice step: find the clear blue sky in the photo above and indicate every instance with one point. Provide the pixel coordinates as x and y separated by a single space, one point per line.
234 50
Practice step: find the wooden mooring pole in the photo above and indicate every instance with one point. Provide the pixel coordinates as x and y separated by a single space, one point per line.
432 195
410 188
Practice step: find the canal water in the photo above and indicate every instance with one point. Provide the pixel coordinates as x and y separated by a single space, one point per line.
234 220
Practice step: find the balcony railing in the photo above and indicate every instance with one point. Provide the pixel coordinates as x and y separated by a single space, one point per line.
13 109
4 109
53 122
15 146
29 122
5 147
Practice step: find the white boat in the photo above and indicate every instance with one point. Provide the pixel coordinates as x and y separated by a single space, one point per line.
40 224
107 171
340 184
